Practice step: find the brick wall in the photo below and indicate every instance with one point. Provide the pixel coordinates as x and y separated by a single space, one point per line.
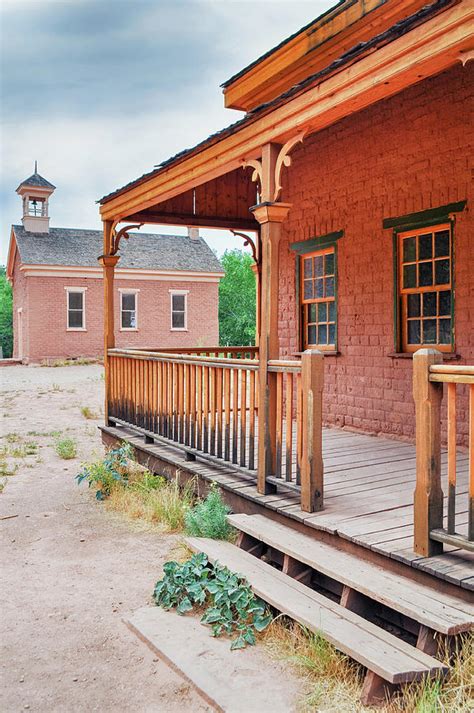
47 304
402 155
20 301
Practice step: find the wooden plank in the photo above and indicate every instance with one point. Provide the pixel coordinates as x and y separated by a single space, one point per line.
426 605
381 652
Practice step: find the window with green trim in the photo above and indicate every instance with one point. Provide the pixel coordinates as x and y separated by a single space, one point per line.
318 298
425 288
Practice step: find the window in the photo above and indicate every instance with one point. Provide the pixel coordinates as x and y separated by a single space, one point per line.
425 288
318 299
128 310
75 308
178 310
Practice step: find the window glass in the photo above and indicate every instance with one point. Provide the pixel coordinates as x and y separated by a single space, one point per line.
318 299
75 310
178 311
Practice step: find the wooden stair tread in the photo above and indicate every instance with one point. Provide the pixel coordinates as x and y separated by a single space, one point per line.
441 612
391 658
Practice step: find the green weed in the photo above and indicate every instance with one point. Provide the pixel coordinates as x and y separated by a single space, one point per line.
208 518
66 448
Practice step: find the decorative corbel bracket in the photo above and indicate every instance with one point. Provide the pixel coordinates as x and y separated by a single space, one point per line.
283 159
465 56
122 233
254 246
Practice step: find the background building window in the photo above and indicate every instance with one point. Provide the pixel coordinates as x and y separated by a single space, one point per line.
128 310
318 299
425 288
75 309
178 310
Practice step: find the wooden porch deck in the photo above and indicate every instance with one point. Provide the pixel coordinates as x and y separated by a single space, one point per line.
368 501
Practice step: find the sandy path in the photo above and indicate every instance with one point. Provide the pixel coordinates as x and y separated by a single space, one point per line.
70 571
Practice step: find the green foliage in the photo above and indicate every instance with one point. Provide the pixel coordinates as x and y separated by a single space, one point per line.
6 314
230 607
65 448
208 518
237 294
106 472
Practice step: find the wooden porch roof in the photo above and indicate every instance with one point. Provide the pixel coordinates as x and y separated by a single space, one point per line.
424 44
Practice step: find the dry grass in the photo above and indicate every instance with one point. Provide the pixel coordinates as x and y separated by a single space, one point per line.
152 499
88 413
333 682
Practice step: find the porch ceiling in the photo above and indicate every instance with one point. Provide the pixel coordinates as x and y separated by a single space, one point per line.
222 202
423 45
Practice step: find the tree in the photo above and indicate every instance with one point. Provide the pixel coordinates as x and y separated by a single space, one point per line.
237 292
6 314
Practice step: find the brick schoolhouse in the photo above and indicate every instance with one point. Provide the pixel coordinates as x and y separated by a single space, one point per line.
167 287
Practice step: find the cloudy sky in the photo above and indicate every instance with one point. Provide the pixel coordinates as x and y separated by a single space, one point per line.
98 91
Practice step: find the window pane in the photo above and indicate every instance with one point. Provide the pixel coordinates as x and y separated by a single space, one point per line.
308 289
128 320
329 264
75 300
429 331
332 311
425 247
442 243
332 334
445 331
409 276
409 250
322 334
442 272
429 304
322 312
445 302
178 303
414 331
312 335
414 305
319 285
128 301
318 265
178 320
425 274
75 319
312 313
308 267
329 286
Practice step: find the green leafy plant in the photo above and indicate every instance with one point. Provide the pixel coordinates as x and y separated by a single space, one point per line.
66 448
237 294
208 518
6 314
104 473
230 607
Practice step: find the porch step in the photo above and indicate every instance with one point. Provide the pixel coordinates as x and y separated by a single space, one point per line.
439 612
389 660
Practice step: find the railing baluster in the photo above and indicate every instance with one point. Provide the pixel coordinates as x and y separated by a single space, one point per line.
252 389
279 424
226 414
243 416
235 413
299 428
289 427
470 525
205 445
219 377
451 458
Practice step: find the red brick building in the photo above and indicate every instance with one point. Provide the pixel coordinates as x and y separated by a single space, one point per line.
166 287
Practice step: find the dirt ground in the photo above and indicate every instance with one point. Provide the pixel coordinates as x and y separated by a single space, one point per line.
70 570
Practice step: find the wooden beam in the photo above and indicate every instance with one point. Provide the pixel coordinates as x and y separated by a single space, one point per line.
201 221
108 263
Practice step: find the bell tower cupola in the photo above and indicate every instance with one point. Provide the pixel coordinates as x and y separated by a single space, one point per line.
35 192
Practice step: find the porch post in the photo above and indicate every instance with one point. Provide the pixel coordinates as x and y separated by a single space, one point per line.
270 216
428 500
108 263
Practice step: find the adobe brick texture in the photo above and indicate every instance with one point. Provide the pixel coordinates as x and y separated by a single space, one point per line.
402 155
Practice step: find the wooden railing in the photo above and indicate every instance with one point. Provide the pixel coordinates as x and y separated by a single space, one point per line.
209 406
429 375
243 352
206 405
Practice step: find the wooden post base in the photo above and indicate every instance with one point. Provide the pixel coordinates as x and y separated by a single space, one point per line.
376 690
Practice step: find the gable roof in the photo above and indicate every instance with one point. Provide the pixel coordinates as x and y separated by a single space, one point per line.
81 248
36 181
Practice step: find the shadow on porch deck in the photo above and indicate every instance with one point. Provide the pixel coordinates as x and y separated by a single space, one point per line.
369 483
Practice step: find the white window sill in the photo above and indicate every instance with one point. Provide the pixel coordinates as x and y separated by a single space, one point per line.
76 329
129 329
179 329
